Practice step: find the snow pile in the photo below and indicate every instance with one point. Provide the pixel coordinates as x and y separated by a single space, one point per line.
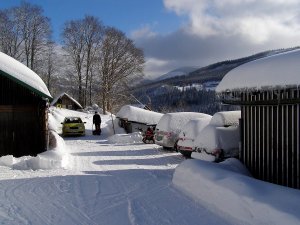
226 187
51 159
23 74
132 113
226 118
278 70
56 157
131 138
174 122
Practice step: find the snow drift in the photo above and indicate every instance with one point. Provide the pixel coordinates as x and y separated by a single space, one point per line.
227 187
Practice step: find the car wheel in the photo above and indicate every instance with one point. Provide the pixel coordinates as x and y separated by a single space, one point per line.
186 154
175 146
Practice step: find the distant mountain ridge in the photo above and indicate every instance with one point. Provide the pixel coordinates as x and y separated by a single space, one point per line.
197 93
178 72
213 72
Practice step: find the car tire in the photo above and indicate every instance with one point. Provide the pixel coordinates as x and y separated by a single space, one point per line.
186 154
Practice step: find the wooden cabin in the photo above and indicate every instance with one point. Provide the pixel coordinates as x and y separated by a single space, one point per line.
134 119
66 101
24 100
269 95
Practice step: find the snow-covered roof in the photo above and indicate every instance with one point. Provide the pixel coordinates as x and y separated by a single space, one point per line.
226 118
14 70
62 94
135 114
277 71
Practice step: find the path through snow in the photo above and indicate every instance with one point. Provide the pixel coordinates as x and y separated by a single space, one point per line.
109 184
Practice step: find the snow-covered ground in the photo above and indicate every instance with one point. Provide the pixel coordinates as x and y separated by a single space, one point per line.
118 180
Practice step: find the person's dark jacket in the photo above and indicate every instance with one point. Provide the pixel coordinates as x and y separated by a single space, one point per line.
96 119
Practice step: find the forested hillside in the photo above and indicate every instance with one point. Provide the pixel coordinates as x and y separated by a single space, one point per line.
194 91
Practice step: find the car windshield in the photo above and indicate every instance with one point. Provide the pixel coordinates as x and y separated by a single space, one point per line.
73 120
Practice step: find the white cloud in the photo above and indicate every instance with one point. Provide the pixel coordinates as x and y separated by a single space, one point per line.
219 30
154 67
144 32
256 18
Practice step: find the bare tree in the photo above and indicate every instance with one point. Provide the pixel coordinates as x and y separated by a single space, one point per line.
73 39
48 64
119 64
81 40
35 31
93 32
24 32
10 36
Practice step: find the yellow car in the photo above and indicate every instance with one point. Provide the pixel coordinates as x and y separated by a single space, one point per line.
73 126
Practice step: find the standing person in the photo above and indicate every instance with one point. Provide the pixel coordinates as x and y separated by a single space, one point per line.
97 122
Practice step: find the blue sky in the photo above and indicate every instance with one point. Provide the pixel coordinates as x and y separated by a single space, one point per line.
126 15
183 33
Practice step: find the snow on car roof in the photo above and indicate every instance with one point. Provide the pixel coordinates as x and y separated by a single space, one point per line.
279 70
136 114
226 118
20 73
175 121
192 128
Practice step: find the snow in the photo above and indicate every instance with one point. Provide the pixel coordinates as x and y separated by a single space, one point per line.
103 180
191 130
228 138
226 118
132 138
280 71
136 114
197 87
222 132
207 139
228 187
23 74
174 122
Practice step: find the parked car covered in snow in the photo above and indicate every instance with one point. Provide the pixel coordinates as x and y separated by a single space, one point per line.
190 131
171 124
220 138
134 119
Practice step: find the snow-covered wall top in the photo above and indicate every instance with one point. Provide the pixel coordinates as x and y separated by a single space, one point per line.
20 73
139 115
226 118
278 71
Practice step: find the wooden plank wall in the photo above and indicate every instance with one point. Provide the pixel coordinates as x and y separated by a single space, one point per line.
270 137
22 120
